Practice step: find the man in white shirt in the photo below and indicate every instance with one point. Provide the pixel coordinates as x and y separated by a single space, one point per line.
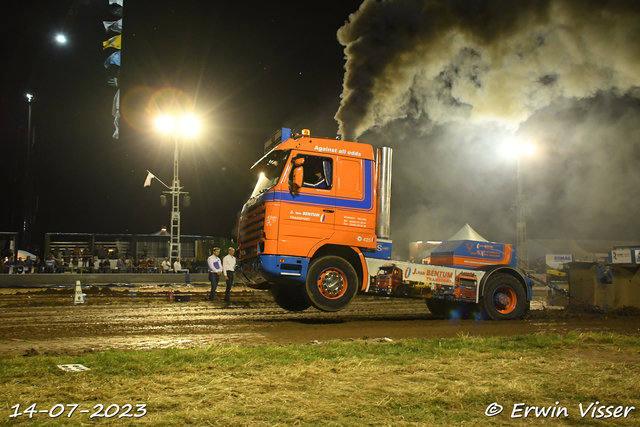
166 266
215 270
228 268
177 267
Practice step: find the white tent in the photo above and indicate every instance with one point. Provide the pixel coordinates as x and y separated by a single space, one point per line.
467 233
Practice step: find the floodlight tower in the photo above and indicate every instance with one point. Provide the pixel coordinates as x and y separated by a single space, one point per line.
522 251
188 127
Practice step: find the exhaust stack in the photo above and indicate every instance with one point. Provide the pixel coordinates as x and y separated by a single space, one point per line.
383 179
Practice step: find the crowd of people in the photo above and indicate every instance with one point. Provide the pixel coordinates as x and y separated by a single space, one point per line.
82 261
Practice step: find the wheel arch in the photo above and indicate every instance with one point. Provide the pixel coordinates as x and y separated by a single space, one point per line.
491 270
350 254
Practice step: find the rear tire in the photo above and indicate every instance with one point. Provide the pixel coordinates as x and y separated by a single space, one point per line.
437 307
289 297
452 309
504 298
331 283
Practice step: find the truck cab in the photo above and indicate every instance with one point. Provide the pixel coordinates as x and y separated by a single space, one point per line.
316 232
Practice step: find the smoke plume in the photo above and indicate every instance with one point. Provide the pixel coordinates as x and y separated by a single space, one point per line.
482 61
446 82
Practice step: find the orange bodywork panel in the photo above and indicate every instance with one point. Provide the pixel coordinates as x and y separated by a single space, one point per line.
341 213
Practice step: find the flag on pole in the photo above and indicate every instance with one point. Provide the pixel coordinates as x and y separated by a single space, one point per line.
115 26
114 58
112 81
115 41
116 134
115 112
115 107
150 176
118 2
117 11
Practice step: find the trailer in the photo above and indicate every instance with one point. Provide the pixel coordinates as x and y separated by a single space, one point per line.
315 231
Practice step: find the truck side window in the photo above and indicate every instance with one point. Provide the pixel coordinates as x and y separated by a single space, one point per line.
318 172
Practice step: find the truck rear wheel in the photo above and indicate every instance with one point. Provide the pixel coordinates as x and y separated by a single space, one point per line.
452 309
437 307
504 298
331 284
289 297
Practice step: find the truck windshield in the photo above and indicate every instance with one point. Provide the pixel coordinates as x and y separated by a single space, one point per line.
269 169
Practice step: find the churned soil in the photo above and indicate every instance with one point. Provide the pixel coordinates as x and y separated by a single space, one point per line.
45 321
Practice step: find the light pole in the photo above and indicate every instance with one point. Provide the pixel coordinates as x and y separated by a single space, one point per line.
522 251
26 214
188 127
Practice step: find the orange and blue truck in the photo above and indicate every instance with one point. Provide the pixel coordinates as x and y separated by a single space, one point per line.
315 231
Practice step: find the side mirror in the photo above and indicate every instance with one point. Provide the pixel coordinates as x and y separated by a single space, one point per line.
298 174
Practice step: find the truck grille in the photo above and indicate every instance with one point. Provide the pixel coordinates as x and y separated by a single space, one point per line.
251 232
467 293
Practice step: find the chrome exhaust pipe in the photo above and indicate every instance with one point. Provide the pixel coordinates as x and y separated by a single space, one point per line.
383 189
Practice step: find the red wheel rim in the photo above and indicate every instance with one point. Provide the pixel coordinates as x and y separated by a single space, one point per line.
332 283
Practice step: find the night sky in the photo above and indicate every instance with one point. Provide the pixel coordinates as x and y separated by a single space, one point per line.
443 83
243 68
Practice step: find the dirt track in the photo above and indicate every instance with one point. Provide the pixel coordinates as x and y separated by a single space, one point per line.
46 322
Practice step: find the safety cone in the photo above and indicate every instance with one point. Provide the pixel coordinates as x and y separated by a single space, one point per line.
78 296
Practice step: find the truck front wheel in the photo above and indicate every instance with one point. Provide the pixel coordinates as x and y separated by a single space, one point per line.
504 298
289 297
331 283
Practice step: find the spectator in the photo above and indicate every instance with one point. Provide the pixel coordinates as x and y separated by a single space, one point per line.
177 267
152 264
136 265
92 265
50 264
19 268
105 266
144 265
189 265
215 271
122 266
8 265
228 269
28 265
86 256
66 257
40 265
201 265
166 266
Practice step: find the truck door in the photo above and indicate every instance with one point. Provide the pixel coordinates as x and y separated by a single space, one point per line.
355 209
308 214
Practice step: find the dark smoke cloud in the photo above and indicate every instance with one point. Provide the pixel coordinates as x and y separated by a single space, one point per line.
482 60
446 82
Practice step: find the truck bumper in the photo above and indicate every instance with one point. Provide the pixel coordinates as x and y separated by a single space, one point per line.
263 270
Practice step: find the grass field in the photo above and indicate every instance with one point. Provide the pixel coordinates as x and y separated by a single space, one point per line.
449 382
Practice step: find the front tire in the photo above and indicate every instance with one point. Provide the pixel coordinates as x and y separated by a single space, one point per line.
504 298
331 283
289 297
